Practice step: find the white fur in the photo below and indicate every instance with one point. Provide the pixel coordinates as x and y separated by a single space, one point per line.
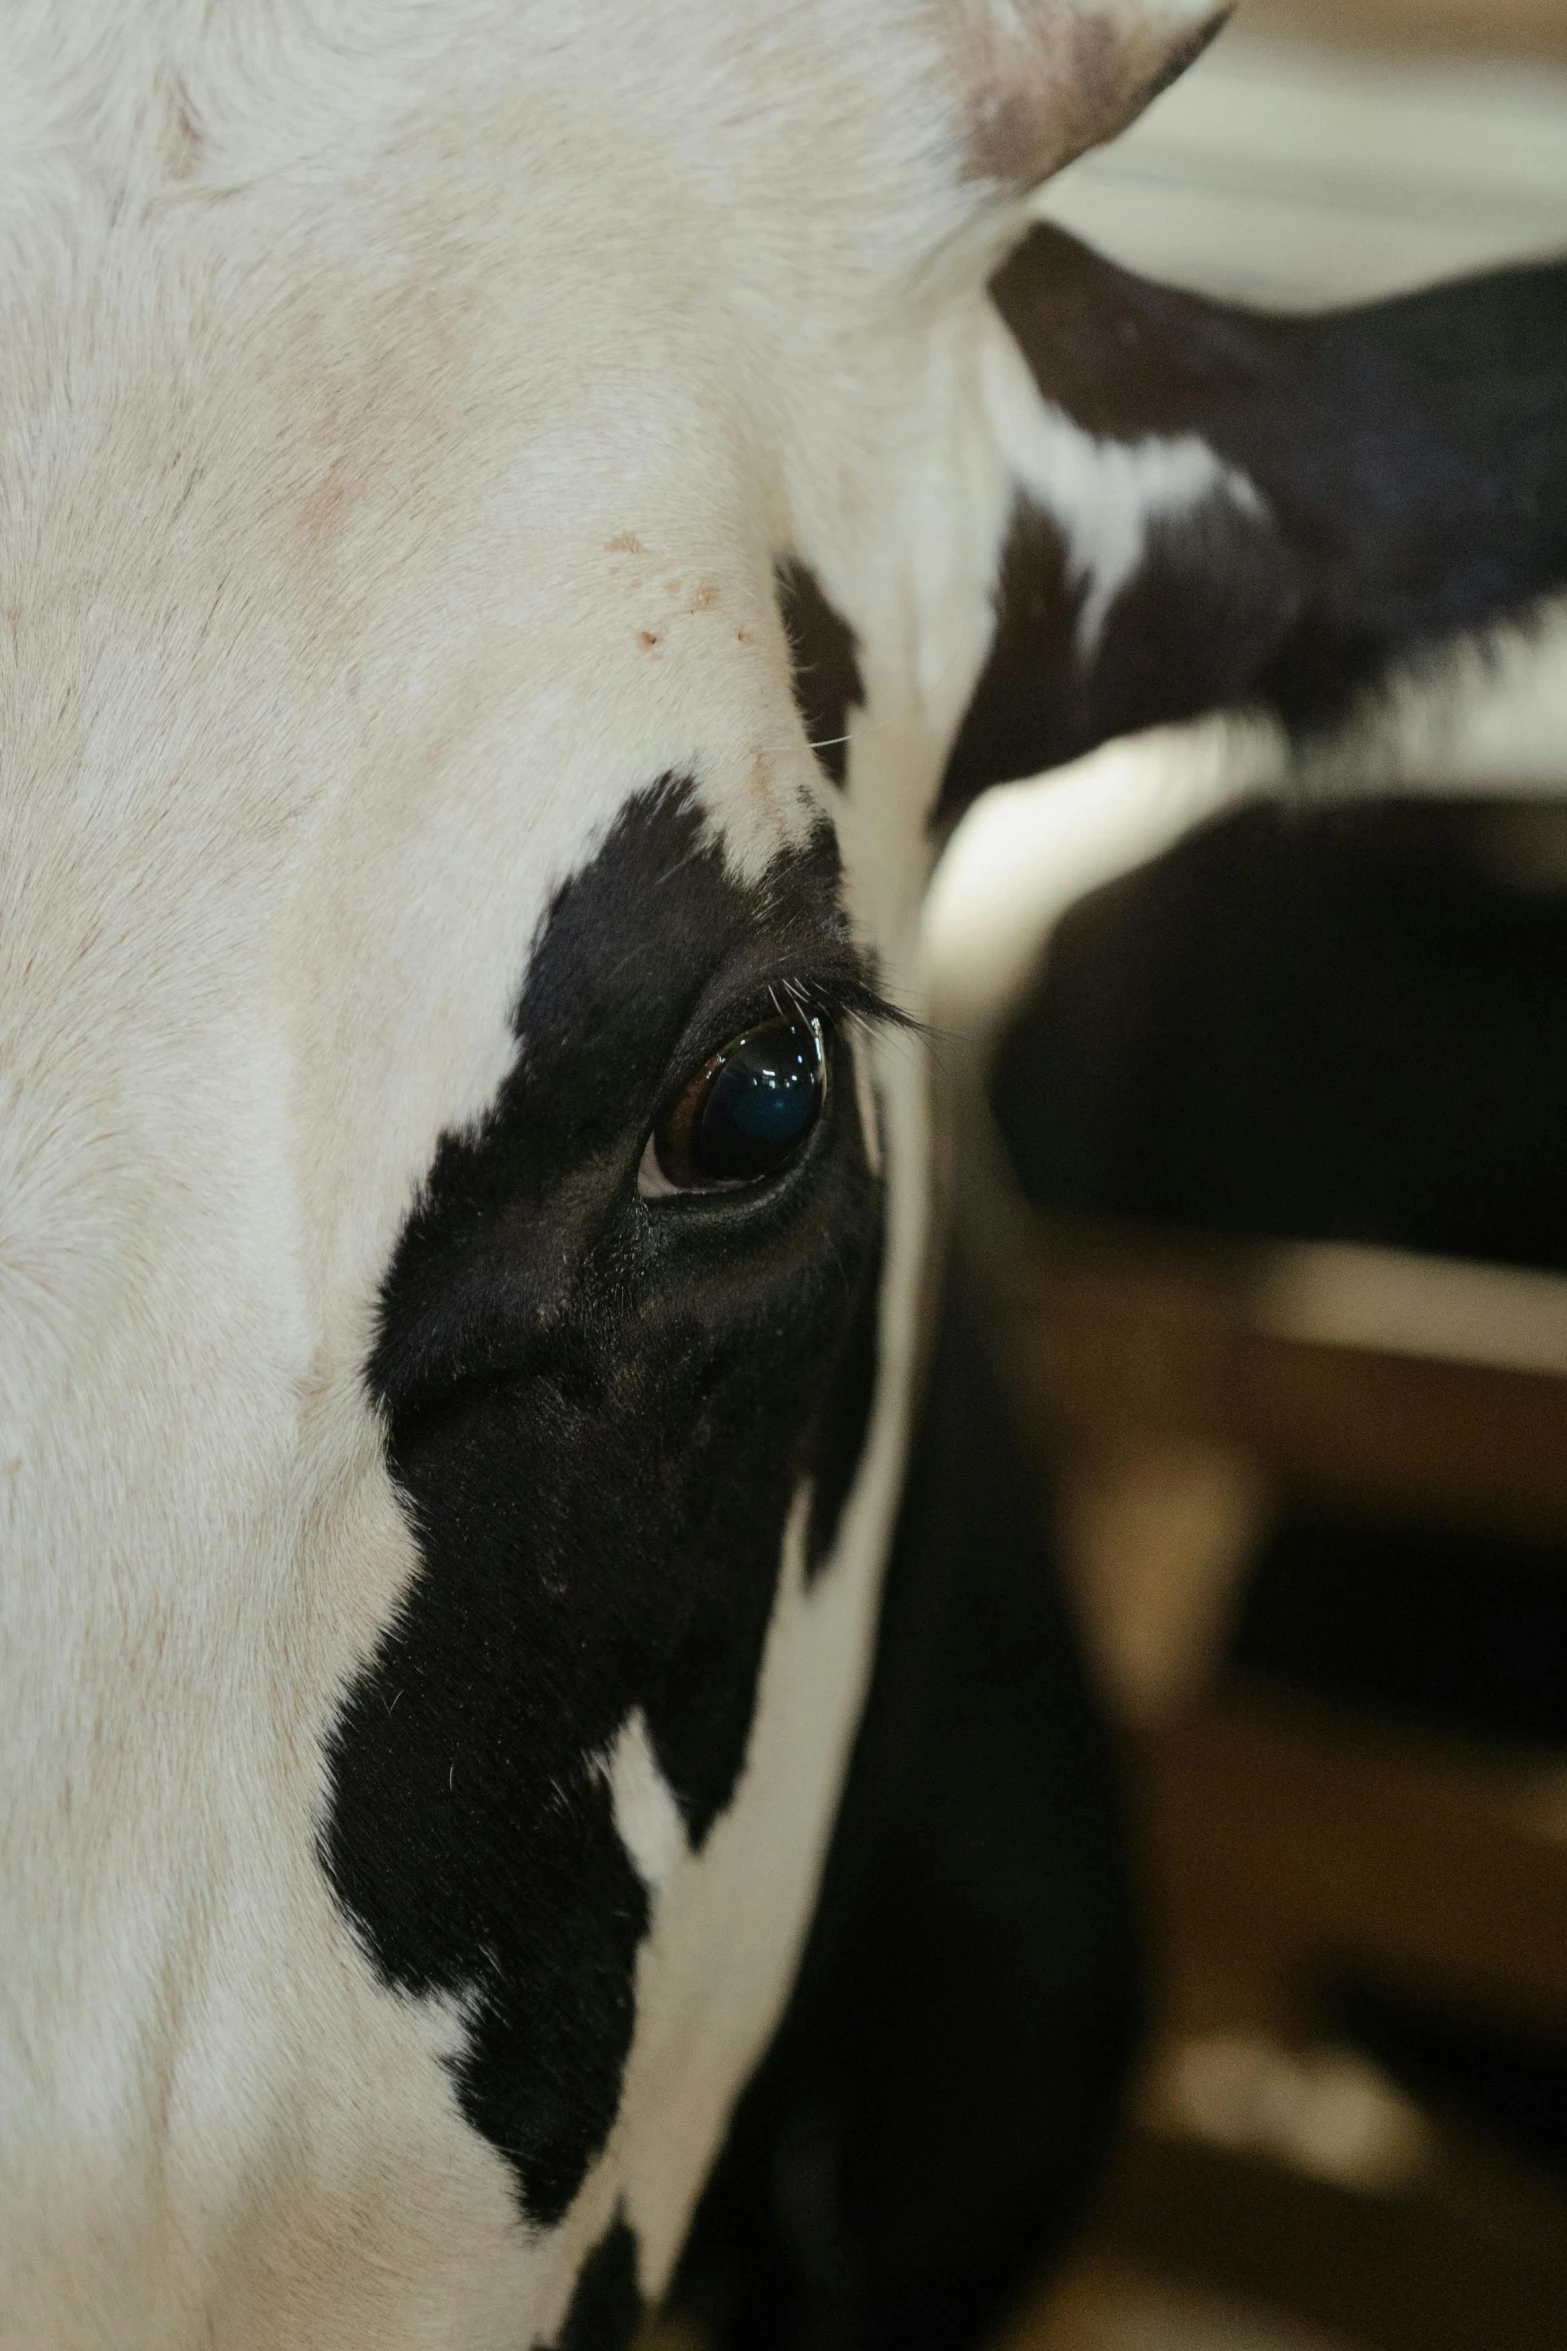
400 409
646 1814
1028 851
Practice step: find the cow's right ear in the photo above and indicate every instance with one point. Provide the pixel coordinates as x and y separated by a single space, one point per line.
1217 508
1039 81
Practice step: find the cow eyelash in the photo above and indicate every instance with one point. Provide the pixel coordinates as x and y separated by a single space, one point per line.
746 1113
835 1002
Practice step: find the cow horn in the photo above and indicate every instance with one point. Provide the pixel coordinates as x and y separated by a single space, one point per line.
1045 79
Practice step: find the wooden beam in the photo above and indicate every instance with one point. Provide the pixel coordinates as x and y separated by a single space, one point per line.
1410 1863
1116 1338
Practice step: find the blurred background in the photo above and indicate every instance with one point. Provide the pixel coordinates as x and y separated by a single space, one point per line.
1273 1201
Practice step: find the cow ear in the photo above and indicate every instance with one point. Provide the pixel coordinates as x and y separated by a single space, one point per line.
1219 509
1042 80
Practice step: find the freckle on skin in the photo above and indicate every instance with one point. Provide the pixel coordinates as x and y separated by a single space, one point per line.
646 637
744 637
671 587
627 543
705 597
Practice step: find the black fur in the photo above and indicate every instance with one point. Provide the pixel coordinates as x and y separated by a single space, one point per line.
1336 1025
599 1409
1411 456
824 659
929 2112
606 2307
843 1422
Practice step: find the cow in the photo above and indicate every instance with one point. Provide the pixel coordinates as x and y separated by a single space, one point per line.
521 525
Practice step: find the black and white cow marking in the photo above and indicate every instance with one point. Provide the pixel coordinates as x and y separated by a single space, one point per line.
499 1832
463 1199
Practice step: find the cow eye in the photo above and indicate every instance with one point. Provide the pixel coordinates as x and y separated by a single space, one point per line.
743 1116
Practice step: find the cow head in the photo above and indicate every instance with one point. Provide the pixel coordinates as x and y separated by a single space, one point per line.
498 521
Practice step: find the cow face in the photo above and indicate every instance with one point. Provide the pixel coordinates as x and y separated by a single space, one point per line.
463 1184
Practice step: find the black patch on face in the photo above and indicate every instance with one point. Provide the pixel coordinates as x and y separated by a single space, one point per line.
824 657
845 1418
606 2308
599 1409
1411 457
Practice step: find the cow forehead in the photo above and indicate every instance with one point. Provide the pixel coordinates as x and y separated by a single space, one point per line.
403 467
339 627
366 542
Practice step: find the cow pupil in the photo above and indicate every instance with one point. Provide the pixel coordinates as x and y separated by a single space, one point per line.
747 1111
762 1103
